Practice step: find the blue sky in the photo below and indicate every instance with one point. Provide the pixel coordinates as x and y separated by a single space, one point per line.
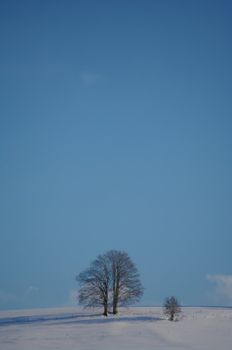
115 133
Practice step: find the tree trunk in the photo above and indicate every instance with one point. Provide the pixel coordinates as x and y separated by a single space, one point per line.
115 303
115 308
105 313
115 299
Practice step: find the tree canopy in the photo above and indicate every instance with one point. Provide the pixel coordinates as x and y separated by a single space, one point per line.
111 280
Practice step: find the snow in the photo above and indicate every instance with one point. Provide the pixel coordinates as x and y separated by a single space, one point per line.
134 328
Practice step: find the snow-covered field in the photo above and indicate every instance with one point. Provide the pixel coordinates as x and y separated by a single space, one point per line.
134 328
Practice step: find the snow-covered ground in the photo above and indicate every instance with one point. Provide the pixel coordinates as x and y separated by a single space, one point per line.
134 328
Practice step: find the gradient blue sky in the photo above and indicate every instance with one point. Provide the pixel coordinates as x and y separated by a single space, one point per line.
115 132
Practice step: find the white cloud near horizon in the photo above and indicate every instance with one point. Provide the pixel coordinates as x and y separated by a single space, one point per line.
90 79
222 287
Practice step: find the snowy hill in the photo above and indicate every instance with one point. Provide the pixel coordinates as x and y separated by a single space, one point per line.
143 328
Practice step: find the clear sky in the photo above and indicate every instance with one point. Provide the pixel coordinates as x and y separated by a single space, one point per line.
115 133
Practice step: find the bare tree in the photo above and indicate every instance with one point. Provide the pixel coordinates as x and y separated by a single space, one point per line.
95 284
171 307
125 283
111 280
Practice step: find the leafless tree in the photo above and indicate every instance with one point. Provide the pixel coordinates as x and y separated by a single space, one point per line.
111 280
171 307
94 284
125 283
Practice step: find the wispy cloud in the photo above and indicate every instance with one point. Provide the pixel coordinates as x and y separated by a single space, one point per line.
222 288
90 79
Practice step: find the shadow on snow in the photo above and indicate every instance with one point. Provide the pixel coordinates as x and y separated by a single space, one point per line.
75 319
